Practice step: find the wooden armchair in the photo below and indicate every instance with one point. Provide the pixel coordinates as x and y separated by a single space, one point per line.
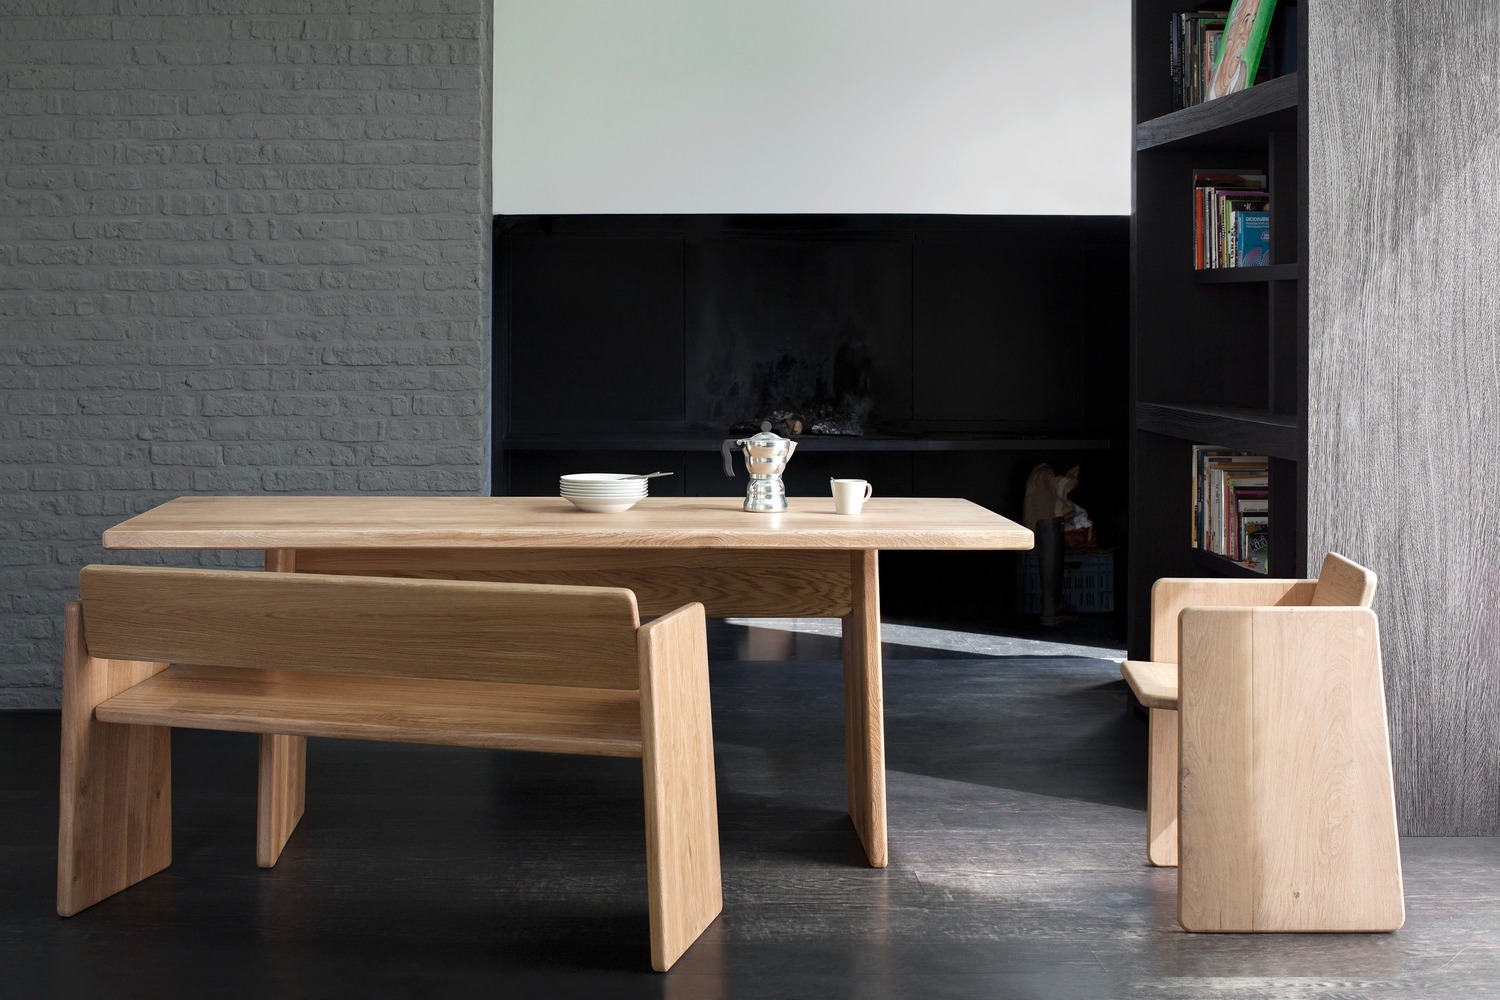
1269 778
508 666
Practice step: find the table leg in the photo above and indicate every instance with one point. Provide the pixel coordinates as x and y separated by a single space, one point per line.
280 795
864 709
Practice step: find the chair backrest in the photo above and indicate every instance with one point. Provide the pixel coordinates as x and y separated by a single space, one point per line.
459 630
1343 583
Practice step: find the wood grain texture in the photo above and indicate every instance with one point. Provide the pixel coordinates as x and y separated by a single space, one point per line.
268 522
1154 684
1163 764
677 760
1343 583
432 628
1260 431
1288 818
1324 802
115 782
1170 595
1217 851
728 582
594 721
1247 110
281 777
864 710
1404 373
280 793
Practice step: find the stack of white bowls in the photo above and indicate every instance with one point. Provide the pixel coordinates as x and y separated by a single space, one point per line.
603 492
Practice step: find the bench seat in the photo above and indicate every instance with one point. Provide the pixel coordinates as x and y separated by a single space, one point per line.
594 721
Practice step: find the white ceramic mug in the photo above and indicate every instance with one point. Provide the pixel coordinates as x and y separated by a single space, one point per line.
849 495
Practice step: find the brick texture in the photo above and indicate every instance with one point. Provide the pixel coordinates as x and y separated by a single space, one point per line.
244 248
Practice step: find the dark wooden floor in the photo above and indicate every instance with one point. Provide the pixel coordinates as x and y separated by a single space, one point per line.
1016 796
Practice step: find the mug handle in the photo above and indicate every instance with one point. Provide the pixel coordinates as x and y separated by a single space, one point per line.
869 491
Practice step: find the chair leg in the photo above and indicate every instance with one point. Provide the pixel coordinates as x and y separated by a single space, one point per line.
682 816
115 783
1161 789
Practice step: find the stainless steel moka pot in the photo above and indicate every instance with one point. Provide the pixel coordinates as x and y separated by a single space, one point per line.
766 455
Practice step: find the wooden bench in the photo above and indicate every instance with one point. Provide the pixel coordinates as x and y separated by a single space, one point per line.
1269 769
492 665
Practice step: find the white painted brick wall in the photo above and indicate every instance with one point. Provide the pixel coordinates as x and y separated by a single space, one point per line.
244 248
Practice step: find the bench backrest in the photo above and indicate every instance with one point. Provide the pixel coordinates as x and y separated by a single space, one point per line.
1343 583
459 630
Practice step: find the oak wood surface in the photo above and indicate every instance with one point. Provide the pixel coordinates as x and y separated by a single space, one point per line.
737 583
269 522
864 710
115 782
1343 583
1163 766
281 773
1216 839
1287 815
1170 595
599 722
683 879
1154 684
280 793
1323 775
431 628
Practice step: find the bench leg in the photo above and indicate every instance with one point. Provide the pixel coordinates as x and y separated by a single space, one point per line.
115 789
282 784
677 758
1161 788
864 710
280 794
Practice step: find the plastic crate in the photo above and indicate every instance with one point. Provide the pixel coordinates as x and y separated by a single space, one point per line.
1088 582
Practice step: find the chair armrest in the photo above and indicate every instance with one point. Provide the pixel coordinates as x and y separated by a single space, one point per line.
1170 595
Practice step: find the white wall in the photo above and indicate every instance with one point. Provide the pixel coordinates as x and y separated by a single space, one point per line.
946 106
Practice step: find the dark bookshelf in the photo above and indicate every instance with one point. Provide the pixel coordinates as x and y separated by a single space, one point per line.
1214 564
1237 428
1218 356
1234 121
1231 275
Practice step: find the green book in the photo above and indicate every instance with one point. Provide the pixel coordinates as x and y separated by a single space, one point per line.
1244 40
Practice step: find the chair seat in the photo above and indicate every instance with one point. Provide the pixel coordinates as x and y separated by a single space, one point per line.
1154 684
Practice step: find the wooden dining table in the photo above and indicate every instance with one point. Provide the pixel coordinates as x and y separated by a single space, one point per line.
807 561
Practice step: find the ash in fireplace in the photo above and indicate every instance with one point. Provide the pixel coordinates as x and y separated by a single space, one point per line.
800 397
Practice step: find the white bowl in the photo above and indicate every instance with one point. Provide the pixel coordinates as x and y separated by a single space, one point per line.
612 494
595 505
600 479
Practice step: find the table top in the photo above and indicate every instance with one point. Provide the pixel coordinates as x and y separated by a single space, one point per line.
293 522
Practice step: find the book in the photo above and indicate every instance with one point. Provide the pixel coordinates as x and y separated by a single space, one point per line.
1211 189
1252 239
1244 40
1193 49
1213 468
1255 542
1229 203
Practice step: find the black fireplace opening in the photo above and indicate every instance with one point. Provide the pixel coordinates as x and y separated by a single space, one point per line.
932 355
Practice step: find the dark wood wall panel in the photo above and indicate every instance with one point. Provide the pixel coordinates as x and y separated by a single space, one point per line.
772 320
1404 372
605 331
